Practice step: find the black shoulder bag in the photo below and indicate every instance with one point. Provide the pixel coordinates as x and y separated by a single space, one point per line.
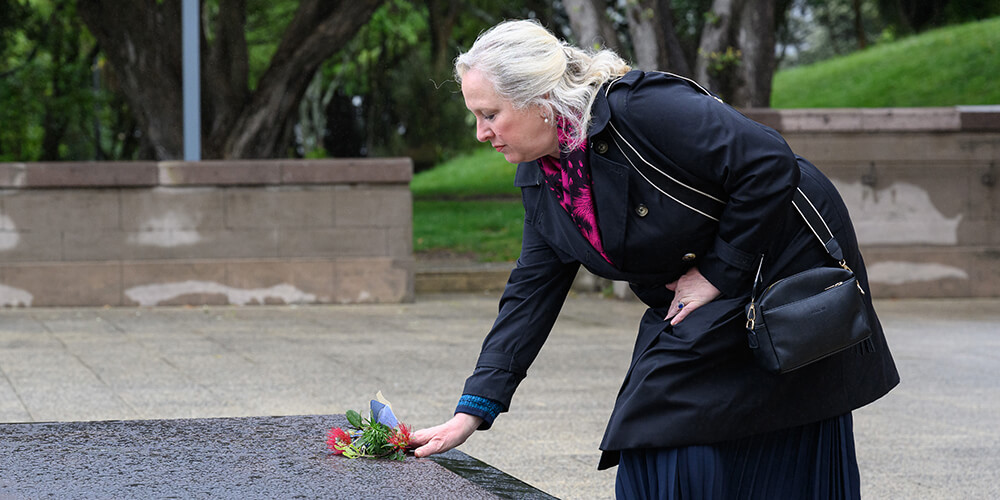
810 315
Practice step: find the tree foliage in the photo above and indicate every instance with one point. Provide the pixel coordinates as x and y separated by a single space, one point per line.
391 91
914 16
56 102
101 79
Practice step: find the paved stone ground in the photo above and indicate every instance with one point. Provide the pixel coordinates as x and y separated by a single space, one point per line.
934 437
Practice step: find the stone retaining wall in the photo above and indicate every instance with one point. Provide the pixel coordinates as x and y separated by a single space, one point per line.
211 232
921 185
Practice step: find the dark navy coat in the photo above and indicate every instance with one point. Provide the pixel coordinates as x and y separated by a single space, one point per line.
696 382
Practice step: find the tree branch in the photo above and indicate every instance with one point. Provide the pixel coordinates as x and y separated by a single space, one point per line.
320 28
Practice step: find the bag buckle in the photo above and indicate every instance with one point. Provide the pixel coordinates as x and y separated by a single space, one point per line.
751 316
843 264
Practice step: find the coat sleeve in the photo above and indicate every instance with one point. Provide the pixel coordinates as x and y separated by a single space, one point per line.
531 301
713 142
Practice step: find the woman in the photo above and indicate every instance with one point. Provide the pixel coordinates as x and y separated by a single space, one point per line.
696 417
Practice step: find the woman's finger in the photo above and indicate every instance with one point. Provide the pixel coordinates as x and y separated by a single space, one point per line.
683 309
676 306
679 308
428 449
420 437
428 441
691 291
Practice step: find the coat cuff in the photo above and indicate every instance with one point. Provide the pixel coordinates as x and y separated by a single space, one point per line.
494 384
481 407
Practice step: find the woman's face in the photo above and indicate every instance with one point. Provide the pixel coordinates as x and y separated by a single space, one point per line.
520 134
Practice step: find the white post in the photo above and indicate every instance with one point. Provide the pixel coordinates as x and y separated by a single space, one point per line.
192 85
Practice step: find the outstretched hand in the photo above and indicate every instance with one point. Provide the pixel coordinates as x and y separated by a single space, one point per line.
691 291
444 437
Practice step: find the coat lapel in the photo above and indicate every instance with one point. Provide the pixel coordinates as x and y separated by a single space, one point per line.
610 179
610 191
552 221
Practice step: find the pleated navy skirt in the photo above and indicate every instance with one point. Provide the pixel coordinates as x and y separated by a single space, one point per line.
815 461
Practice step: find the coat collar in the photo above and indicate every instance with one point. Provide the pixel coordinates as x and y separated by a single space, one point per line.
601 110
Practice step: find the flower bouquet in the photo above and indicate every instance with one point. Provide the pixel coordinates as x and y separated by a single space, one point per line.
380 435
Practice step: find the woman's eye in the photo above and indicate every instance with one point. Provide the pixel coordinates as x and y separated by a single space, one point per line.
489 117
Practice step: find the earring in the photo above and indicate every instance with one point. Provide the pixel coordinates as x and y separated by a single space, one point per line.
546 119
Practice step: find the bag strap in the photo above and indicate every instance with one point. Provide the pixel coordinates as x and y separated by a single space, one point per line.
815 222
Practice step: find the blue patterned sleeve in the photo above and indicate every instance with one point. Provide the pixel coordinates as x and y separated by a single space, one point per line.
481 407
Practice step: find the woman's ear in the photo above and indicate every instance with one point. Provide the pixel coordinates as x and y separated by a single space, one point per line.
545 110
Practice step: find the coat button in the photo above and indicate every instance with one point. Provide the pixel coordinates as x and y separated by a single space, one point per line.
641 210
601 147
688 257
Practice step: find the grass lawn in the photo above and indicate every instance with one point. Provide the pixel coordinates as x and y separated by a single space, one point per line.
468 206
482 173
489 229
950 66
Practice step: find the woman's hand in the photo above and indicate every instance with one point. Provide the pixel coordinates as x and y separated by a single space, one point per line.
691 291
446 436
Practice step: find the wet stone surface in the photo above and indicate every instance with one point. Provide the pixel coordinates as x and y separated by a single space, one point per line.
256 457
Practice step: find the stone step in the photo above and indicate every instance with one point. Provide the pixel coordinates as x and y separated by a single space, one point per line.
465 276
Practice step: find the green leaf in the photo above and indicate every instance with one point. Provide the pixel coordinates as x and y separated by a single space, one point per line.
354 418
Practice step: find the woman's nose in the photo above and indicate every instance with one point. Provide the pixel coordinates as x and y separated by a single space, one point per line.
483 132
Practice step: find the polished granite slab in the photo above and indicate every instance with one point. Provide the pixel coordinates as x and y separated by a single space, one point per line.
246 457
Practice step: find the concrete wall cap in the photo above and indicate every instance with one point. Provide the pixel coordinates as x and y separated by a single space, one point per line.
77 174
32 175
853 120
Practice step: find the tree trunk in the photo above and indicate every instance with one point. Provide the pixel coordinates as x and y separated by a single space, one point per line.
225 75
319 29
736 55
55 124
859 25
756 43
673 59
591 25
442 16
654 39
716 37
142 39
646 29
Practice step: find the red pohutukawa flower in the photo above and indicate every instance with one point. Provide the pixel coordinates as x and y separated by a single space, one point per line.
337 440
400 437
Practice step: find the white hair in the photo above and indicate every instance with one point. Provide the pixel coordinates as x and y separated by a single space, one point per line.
528 65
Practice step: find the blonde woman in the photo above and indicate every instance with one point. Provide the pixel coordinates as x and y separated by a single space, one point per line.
696 417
